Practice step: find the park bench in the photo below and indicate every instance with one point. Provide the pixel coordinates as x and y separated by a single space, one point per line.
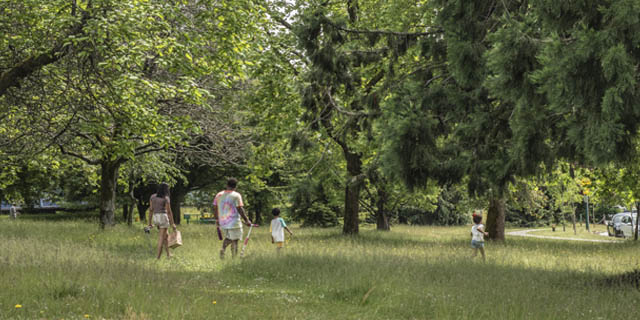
202 218
207 220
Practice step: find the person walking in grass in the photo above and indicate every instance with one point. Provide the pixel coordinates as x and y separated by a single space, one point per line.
477 236
13 211
277 229
161 216
228 209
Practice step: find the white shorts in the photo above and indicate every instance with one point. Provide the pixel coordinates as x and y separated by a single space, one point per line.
232 234
161 220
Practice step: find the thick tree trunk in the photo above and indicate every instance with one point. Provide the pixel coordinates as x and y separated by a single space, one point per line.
495 218
351 207
142 210
352 193
131 200
125 212
176 199
109 174
382 221
142 193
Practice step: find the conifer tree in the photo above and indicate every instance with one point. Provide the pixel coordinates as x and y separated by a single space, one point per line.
351 69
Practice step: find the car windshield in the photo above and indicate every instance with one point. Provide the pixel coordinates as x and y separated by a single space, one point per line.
617 219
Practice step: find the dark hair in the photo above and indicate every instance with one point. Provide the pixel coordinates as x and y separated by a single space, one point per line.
163 190
275 212
232 183
477 219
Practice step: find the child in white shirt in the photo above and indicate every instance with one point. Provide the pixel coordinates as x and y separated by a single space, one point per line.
277 229
477 236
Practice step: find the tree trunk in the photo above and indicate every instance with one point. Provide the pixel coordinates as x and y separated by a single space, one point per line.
125 212
258 215
108 177
142 210
131 201
176 199
573 220
495 218
352 193
142 193
351 207
382 221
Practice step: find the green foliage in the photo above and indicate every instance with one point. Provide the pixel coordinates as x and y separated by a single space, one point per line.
447 206
312 205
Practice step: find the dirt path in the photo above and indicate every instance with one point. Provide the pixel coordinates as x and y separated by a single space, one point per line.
525 233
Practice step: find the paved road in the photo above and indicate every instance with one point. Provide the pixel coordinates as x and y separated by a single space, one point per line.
525 233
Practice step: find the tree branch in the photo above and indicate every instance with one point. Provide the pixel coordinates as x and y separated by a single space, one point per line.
11 78
387 32
347 112
79 156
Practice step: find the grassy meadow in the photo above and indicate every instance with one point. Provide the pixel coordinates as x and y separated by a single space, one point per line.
69 269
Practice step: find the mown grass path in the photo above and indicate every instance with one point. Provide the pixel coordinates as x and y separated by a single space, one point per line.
527 233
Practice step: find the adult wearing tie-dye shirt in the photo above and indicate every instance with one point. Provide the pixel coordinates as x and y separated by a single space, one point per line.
227 209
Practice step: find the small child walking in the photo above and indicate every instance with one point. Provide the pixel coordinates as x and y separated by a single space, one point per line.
477 236
277 229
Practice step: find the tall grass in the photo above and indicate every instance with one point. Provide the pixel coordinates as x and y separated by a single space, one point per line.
69 269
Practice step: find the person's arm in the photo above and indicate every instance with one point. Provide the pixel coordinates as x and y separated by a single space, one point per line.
167 206
244 216
271 232
215 213
481 229
287 228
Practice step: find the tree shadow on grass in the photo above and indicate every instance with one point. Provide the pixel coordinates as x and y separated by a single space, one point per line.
397 240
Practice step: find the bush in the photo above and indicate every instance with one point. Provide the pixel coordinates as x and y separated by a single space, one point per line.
318 215
441 216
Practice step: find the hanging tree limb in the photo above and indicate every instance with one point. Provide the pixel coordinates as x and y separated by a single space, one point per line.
13 76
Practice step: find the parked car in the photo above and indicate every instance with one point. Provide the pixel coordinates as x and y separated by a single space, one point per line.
622 224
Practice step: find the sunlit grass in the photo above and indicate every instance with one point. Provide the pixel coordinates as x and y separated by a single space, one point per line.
69 269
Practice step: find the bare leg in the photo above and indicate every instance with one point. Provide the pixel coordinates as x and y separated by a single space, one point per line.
475 253
234 248
225 243
166 244
162 237
482 252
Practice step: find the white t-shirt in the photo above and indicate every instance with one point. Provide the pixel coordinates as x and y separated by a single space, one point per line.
277 229
476 234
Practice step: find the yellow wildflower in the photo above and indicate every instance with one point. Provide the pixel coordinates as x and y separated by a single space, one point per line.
18 306
214 302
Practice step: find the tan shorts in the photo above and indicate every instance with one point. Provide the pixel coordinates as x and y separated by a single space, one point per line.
280 244
232 234
161 220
